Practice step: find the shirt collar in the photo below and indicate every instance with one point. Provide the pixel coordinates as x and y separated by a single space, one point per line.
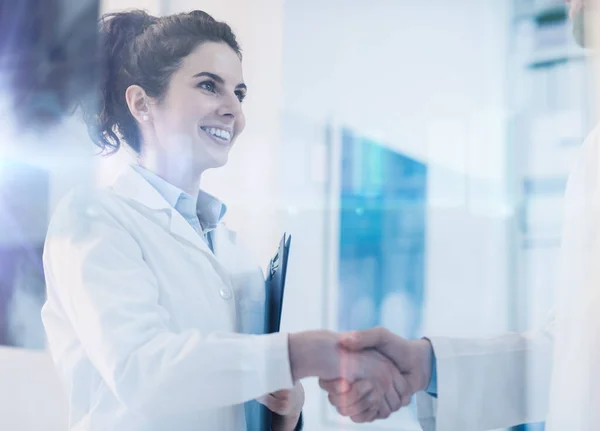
210 210
167 190
205 207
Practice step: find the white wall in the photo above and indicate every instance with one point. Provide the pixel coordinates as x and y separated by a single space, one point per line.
31 395
426 78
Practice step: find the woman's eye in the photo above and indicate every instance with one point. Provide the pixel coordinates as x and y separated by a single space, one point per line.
240 95
208 86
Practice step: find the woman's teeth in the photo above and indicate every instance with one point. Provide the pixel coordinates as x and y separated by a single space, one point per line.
219 133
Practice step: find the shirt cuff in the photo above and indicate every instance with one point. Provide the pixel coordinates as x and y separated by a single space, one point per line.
432 388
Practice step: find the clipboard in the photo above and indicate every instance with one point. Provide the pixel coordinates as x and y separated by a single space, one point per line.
275 285
274 291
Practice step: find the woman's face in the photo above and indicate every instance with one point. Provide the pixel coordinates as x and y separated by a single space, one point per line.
201 115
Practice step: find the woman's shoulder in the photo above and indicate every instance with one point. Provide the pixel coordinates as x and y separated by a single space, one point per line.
84 202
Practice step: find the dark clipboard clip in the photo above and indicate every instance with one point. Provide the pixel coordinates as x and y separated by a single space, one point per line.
274 265
275 285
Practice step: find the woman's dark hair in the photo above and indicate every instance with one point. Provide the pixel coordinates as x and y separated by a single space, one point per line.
145 50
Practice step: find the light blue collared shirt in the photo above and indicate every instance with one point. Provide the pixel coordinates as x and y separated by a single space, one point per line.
203 212
432 388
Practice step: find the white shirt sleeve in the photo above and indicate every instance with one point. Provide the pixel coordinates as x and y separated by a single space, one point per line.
489 383
97 272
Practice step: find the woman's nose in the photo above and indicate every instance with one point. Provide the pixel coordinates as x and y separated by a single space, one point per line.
230 106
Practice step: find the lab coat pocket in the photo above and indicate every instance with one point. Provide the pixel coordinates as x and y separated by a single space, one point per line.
250 300
251 318
183 294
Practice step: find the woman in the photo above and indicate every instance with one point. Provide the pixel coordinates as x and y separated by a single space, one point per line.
148 292
175 100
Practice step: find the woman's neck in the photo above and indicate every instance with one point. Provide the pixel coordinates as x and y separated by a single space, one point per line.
177 172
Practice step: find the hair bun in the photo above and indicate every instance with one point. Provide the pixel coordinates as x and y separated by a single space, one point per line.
200 14
118 32
125 26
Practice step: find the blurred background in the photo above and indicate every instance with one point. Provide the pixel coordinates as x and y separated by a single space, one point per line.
417 152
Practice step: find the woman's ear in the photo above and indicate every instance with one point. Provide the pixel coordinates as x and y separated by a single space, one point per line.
137 101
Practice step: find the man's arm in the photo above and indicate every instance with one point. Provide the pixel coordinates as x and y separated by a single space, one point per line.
488 383
482 383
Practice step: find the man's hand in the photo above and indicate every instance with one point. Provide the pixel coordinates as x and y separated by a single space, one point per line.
287 406
378 388
412 358
319 354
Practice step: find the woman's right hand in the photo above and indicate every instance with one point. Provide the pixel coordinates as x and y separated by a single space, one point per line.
378 384
371 387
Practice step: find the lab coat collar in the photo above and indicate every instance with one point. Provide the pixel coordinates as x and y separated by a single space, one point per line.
132 186
135 188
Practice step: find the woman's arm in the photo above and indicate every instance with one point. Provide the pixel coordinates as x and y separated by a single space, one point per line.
96 270
96 273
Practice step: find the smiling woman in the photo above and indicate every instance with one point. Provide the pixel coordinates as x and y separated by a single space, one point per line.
148 292
172 91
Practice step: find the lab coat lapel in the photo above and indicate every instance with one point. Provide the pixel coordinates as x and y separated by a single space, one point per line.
132 186
183 231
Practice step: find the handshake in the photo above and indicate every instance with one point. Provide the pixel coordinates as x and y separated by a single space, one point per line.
368 375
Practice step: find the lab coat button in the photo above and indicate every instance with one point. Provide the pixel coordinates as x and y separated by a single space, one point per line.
225 293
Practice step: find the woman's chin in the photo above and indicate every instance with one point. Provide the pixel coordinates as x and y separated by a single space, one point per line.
212 155
220 163
212 161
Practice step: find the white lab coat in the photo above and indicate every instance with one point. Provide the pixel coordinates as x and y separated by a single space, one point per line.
523 378
143 320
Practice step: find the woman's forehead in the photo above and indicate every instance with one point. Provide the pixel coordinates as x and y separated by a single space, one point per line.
214 57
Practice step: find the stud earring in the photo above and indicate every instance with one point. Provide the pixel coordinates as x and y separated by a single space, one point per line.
145 118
